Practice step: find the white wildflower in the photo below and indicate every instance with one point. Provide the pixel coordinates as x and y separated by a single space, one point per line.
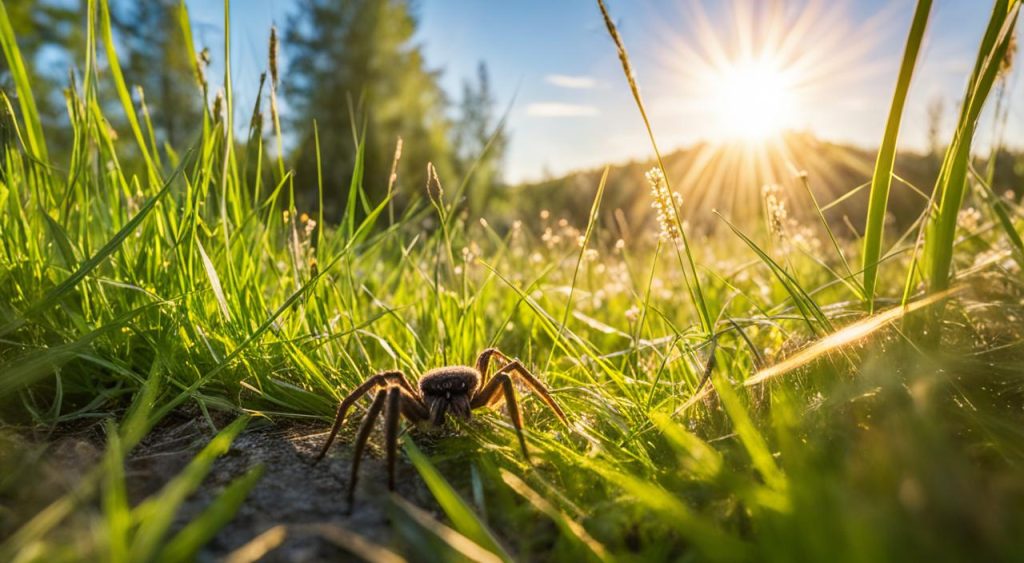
968 219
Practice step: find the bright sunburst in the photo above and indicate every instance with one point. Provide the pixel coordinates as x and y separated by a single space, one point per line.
754 99
746 77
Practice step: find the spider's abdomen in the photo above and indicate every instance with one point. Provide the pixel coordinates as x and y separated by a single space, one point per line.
449 381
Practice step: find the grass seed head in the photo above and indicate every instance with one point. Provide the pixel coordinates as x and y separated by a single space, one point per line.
218 106
272 56
434 190
666 203
776 210
202 61
1006 65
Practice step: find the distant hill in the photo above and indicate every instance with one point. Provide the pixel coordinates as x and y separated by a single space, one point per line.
730 179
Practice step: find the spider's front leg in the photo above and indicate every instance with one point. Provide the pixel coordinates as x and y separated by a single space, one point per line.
364 434
501 387
492 392
483 362
379 380
516 367
399 403
395 402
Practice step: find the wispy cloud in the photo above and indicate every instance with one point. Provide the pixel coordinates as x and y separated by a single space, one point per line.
574 82
555 109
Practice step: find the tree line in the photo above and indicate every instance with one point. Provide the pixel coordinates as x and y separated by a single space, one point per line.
351 67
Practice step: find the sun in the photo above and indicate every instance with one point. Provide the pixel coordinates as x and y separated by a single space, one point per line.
748 86
753 99
751 71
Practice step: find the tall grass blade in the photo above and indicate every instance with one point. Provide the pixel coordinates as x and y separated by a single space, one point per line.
198 532
712 543
750 437
122 90
26 100
810 310
115 498
156 514
569 527
211 273
881 180
54 295
455 541
1004 219
461 515
940 232
697 292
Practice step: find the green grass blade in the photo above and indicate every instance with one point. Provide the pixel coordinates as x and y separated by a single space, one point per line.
452 540
355 186
701 459
463 518
940 232
1005 221
115 499
26 101
588 233
881 180
198 532
28 368
54 295
803 301
696 289
569 527
155 515
707 538
749 436
211 273
122 89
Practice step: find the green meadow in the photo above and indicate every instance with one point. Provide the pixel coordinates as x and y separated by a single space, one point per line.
772 385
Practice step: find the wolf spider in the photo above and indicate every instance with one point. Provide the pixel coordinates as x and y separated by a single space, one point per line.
454 389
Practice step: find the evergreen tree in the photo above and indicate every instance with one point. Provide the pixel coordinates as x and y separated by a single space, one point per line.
155 59
478 143
356 59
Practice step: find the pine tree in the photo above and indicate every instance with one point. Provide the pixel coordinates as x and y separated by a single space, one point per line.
154 59
356 59
479 143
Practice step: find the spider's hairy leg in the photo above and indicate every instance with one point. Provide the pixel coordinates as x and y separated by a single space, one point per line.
361 437
375 381
483 362
392 412
492 393
414 409
517 367
399 378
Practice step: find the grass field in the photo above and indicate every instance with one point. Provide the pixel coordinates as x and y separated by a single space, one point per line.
864 399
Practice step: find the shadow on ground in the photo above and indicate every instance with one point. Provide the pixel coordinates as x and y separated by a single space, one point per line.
295 513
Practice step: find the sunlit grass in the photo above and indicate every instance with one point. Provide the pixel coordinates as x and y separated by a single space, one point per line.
730 398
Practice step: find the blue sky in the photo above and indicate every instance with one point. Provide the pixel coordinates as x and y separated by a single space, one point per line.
572 108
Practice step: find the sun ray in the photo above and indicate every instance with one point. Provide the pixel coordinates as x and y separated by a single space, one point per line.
755 74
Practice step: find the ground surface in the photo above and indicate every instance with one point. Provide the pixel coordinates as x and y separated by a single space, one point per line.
307 500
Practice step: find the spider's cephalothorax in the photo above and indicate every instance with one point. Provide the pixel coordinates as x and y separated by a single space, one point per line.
449 390
455 390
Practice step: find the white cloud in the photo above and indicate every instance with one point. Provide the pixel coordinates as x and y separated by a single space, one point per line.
555 109
574 82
